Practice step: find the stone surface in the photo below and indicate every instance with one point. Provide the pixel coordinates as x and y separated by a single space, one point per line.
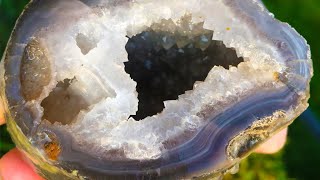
35 70
208 81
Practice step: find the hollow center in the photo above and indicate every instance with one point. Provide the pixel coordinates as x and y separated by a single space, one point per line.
167 59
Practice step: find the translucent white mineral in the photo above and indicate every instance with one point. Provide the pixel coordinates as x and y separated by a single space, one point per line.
80 76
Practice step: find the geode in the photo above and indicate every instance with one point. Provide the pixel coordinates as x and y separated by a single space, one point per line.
145 89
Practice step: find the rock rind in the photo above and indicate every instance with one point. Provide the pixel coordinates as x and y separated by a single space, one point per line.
137 155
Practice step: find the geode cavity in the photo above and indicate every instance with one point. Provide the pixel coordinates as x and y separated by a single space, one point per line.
169 89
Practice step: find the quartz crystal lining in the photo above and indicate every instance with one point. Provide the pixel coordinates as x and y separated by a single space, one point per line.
167 59
94 53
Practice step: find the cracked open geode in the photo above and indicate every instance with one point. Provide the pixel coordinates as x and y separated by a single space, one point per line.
170 89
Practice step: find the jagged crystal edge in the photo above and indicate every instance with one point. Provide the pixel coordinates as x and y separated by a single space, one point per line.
303 68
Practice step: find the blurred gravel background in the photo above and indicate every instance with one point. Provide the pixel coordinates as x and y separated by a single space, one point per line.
301 157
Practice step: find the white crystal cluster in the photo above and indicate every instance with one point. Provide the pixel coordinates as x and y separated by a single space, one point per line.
111 93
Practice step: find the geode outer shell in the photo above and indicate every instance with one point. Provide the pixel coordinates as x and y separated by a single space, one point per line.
169 89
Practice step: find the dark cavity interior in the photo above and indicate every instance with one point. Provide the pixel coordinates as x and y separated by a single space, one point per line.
63 104
167 59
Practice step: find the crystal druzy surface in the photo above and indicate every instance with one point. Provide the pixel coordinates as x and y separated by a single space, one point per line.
141 89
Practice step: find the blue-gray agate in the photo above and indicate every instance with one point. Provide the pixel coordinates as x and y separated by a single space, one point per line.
146 89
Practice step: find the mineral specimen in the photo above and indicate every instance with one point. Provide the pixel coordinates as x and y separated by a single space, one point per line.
170 89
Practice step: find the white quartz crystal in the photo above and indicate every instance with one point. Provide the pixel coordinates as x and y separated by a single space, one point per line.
112 93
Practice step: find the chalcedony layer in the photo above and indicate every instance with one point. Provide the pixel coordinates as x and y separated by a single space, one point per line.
68 91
